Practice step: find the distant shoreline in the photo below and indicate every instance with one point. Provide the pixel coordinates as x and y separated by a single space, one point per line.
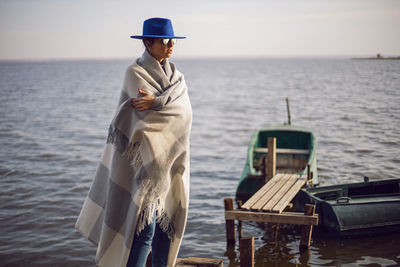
378 57
374 58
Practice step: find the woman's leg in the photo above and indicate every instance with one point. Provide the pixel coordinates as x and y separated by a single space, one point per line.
160 247
141 246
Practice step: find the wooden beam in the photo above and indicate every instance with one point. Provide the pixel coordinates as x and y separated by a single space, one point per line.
282 191
196 261
263 166
306 230
290 161
309 176
264 150
284 217
260 193
285 200
239 226
270 193
246 248
271 158
230 223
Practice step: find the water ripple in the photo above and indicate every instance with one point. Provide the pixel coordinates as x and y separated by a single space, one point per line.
50 150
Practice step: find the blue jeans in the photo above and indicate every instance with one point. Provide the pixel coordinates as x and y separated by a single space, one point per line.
153 236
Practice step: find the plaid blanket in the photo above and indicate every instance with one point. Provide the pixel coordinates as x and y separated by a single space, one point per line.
144 166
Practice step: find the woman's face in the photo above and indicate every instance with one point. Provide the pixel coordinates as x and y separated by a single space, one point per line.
159 50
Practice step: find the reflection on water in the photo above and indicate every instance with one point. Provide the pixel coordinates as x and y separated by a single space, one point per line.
327 249
53 124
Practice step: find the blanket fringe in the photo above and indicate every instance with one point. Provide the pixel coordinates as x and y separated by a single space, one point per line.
146 218
132 153
166 224
129 150
117 138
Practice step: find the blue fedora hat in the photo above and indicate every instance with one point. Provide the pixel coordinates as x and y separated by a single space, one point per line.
157 28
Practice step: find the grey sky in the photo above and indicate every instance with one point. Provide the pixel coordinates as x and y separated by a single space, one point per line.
56 29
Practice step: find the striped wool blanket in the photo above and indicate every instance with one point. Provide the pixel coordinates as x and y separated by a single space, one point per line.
144 166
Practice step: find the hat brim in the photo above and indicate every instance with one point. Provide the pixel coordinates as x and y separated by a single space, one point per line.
156 36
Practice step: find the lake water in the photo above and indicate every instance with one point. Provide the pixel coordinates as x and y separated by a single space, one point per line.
54 118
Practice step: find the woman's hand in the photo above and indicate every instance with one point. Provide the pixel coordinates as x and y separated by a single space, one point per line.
143 103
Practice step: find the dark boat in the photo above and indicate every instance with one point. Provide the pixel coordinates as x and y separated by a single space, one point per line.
295 149
357 208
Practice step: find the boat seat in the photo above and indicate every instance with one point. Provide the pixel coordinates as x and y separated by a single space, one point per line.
264 150
276 194
285 163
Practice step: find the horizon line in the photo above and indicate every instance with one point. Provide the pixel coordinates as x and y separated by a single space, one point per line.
225 57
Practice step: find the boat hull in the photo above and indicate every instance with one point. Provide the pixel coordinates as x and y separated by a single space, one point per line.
357 208
288 137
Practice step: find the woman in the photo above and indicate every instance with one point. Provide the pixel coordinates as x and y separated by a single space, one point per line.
141 187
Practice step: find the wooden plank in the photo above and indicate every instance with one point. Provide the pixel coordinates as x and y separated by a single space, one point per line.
285 200
293 151
271 158
270 193
283 190
246 248
306 230
309 176
264 150
196 261
291 161
239 226
250 202
284 217
229 224
288 170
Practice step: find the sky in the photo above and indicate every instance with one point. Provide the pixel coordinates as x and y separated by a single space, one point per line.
100 29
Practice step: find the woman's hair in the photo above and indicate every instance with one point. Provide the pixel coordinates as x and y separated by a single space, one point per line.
148 39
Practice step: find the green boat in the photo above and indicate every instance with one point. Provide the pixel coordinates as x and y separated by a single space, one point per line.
356 208
295 149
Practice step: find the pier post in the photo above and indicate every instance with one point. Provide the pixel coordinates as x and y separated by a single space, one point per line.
309 176
230 224
246 247
271 158
306 230
239 227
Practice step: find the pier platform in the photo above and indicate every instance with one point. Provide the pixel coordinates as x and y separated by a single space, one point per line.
268 204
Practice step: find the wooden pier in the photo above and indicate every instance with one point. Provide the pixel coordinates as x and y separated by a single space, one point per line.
268 204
